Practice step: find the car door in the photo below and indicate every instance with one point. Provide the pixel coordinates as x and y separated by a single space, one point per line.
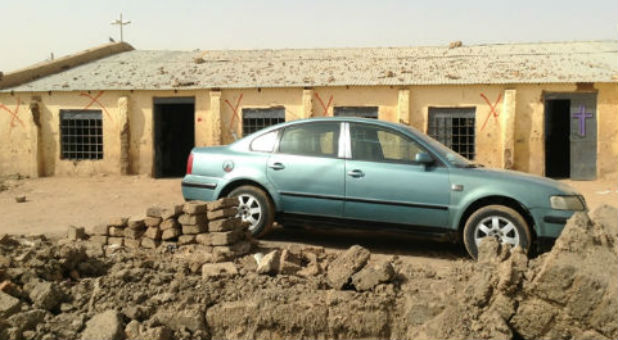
384 183
307 170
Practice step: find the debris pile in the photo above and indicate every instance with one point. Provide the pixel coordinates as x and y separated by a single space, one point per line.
207 287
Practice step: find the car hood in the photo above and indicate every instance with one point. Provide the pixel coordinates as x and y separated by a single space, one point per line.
517 176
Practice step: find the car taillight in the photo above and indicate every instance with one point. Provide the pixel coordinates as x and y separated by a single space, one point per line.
190 164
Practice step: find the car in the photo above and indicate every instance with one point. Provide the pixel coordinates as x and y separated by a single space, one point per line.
377 175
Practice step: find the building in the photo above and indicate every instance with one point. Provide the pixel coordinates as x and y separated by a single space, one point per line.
544 108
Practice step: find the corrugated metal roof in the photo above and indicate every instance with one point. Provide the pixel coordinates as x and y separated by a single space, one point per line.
556 62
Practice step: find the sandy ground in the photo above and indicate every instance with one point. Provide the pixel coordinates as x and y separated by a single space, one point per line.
53 203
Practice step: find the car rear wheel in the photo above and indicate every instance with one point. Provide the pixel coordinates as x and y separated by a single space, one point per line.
498 221
255 207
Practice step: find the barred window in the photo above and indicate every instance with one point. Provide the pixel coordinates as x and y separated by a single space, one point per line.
356 111
256 119
81 134
454 127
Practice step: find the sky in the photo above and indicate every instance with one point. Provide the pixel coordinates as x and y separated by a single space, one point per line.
32 30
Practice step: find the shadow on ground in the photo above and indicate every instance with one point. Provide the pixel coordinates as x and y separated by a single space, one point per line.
377 242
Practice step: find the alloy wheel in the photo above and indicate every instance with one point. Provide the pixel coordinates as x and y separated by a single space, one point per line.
249 210
499 227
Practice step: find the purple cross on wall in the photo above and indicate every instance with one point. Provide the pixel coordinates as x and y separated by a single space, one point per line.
582 115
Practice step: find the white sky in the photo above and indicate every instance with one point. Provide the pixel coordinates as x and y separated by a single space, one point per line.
31 30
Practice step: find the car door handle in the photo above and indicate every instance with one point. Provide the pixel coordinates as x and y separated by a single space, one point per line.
276 166
356 173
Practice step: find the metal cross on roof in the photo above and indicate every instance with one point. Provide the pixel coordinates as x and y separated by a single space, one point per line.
120 23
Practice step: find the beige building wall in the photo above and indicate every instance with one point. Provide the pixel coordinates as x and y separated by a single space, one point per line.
514 139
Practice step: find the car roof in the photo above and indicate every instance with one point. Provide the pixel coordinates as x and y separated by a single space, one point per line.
344 119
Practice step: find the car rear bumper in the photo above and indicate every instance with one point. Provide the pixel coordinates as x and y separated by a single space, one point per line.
200 188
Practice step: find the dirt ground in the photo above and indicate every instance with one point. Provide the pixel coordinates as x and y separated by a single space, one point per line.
53 203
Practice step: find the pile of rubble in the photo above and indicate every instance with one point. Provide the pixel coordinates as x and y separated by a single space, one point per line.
191 289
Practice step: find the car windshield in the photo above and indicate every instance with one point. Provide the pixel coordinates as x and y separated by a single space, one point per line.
451 156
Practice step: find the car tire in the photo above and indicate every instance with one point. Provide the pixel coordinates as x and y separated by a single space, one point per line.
499 221
255 207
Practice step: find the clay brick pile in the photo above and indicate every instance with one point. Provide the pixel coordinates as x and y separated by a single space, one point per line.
211 225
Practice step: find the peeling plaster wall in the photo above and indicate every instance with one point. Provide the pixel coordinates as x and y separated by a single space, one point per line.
214 124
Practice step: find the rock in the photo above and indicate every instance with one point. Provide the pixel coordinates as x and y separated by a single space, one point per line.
345 265
210 270
190 317
169 234
222 213
289 263
138 312
269 264
76 233
104 326
133 330
44 294
9 305
152 221
20 199
194 208
100 230
27 320
369 277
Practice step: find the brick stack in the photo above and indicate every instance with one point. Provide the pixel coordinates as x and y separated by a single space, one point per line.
212 226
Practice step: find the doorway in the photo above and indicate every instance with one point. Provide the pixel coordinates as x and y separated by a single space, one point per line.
174 135
557 143
571 135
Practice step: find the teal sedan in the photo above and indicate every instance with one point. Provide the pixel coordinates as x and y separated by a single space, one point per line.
377 175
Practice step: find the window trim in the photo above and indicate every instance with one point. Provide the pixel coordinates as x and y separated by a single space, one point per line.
337 156
437 161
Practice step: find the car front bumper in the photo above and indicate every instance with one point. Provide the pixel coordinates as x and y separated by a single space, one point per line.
550 222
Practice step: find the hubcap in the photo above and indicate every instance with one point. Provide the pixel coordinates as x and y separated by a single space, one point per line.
499 227
249 210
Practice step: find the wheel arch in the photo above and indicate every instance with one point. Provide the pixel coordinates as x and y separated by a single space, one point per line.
499 200
240 182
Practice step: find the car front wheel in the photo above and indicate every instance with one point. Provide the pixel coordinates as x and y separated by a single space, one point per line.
255 207
500 222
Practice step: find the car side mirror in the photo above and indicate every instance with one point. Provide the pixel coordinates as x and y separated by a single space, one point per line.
423 158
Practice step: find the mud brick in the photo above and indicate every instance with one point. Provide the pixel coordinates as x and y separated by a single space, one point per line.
171 211
153 233
152 221
115 240
222 213
99 239
135 223
194 208
133 233
150 243
154 211
116 231
225 224
186 239
132 243
194 229
192 219
223 203
219 238
169 234
100 230
169 223
226 253
118 222
76 233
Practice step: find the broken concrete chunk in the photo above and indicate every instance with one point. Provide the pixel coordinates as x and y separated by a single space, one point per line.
371 276
104 326
44 294
269 264
345 265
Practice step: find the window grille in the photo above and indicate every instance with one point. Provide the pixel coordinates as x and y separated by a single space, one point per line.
256 119
455 128
81 134
356 111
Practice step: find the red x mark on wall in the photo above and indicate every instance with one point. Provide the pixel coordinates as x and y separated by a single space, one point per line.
234 109
14 114
324 107
493 112
94 100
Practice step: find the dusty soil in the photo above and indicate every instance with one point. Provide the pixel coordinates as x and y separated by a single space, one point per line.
78 290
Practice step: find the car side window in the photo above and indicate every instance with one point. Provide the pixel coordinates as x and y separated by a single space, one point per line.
374 143
311 139
265 142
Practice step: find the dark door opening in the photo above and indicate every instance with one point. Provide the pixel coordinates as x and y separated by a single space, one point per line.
174 135
557 142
